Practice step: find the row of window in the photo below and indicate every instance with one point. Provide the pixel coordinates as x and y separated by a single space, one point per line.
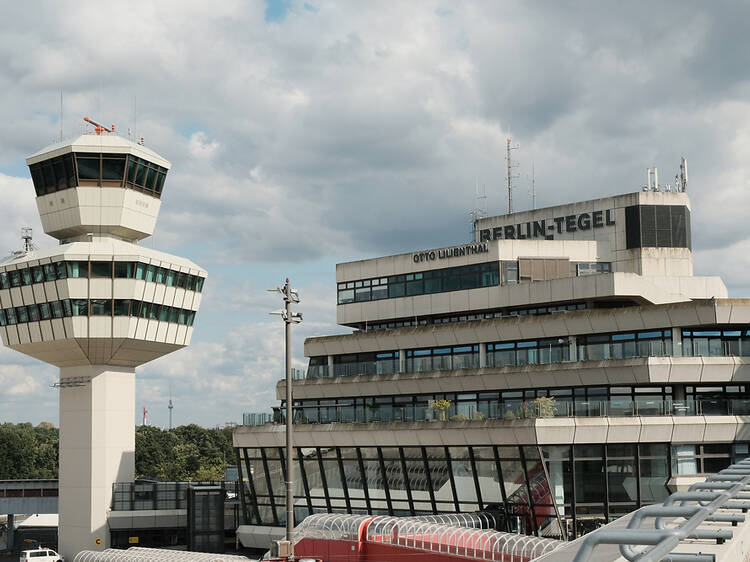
652 343
444 280
589 485
568 402
100 269
427 282
91 168
716 343
95 307
504 313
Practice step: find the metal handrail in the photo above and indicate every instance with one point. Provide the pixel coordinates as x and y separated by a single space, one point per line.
718 491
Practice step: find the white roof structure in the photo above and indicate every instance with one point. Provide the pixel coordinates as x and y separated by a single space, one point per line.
111 144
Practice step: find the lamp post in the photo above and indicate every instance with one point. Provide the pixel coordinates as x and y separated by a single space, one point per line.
290 296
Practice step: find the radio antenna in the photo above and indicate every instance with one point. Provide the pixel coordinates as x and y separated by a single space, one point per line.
511 177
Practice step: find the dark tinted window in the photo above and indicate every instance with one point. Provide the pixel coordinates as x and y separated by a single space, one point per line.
88 166
113 166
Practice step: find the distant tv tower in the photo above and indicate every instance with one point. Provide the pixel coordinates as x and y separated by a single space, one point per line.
171 406
145 415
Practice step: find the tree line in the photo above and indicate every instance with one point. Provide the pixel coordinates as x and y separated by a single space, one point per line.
186 453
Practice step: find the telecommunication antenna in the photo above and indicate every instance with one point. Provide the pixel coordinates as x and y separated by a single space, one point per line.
511 177
26 236
681 180
480 211
532 192
145 415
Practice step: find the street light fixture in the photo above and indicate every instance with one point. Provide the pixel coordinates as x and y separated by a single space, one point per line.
290 296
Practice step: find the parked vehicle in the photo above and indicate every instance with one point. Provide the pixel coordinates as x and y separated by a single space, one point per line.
40 554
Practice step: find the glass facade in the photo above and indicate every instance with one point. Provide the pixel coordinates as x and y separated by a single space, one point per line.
96 169
423 283
526 487
528 403
96 307
487 274
101 269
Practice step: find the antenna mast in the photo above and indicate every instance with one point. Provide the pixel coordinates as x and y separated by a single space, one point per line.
480 211
511 177
533 187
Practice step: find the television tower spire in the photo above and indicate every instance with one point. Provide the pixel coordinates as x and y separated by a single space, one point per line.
171 406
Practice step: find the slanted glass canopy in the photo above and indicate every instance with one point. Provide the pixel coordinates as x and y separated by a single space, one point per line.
97 169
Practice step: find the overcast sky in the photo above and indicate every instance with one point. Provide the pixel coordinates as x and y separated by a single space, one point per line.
302 134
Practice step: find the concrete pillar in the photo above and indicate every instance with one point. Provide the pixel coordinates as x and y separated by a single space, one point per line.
97 449
330 367
677 342
401 360
573 348
482 355
11 531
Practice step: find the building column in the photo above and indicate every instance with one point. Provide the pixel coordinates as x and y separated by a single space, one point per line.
97 449
401 360
11 531
482 355
676 342
330 367
573 348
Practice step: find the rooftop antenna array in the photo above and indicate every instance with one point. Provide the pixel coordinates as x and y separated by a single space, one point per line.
480 211
510 176
680 179
28 245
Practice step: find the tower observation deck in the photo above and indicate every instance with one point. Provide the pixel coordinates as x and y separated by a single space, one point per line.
97 306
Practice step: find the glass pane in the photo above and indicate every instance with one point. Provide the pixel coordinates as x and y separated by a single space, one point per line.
101 269
88 167
124 269
113 168
101 307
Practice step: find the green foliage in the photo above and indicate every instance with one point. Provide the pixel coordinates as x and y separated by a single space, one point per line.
546 406
460 417
28 452
186 453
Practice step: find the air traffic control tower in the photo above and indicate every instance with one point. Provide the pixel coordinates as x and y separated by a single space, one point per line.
97 306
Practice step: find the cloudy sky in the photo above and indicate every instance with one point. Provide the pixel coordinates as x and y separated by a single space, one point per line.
305 133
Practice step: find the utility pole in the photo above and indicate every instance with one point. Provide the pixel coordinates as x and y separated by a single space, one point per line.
511 177
290 296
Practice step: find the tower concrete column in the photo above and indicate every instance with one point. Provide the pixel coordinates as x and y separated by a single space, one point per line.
97 449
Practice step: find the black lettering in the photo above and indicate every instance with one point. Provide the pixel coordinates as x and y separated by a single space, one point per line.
416 258
559 222
432 256
521 236
539 228
584 221
597 216
497 233
570 223
609 221
510 233
485 234
461 251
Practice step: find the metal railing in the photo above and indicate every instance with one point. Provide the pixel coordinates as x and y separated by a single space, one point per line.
727 490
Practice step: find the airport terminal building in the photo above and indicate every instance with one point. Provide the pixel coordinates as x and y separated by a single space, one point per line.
564 368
